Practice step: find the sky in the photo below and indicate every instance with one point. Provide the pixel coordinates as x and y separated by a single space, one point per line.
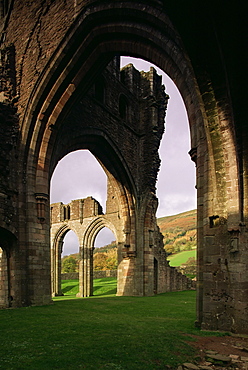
176 180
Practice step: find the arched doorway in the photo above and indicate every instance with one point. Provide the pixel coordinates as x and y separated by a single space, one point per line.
142 30
58 234
105 261
86 265
105 244
71 245
132 206
175 187
77 176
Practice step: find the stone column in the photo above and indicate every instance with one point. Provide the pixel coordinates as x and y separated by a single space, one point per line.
85 272
4 284
56 272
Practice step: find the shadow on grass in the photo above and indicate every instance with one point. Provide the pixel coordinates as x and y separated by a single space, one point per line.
102 288
68 288
105 286
99 292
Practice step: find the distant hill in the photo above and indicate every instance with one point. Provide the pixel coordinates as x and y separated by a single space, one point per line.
179 231
105 248
185 221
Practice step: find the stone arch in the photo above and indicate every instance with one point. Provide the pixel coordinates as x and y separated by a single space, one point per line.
167 54
164 49
86 253
56 250
95 32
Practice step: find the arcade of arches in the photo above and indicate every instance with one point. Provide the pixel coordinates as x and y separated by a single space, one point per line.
56 77
86 219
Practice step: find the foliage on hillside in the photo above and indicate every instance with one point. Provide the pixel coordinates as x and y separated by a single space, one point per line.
179 235
70 263
105 248
189 268
179 231
104 258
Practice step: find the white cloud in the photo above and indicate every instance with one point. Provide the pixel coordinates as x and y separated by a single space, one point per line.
77 176
172 204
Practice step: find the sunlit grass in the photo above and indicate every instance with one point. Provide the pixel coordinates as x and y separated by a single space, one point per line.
101 287
101 332
181 257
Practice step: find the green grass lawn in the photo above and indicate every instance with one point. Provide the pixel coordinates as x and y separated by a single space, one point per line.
182 257
102 287
100 332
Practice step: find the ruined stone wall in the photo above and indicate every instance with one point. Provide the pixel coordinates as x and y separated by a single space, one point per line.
52 53
85 218
142 126
97 274
75 210
42 29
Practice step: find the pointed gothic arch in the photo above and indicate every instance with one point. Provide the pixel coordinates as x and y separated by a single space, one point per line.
57 241
86 254
92 34
169 55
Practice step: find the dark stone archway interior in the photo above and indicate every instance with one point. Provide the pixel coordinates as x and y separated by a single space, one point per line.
52 53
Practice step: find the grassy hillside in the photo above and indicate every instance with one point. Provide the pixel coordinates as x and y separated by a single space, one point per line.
179 235
179 258
179 231
184 221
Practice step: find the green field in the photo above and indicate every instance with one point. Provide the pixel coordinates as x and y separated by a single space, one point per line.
100 332
182 257
102 287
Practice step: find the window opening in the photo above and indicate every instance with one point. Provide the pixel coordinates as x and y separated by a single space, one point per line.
105 262
123 107
84 177
105 250
176 178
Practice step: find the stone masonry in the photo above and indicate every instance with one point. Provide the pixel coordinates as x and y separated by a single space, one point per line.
86 219
55 86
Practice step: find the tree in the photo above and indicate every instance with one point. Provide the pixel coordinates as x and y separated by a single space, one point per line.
111 262
189 267
100 261
106 260
69 264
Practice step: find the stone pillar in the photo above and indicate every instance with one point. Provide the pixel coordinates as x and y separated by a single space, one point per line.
56 268
85 272
4 280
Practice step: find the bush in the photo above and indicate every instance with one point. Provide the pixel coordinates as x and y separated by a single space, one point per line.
189 267
69 264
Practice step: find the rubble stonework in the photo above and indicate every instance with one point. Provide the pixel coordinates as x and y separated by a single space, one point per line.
53 91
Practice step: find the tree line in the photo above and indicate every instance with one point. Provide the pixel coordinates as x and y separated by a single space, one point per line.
104 258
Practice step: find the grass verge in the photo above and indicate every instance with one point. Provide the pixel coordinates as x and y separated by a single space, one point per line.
100 333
